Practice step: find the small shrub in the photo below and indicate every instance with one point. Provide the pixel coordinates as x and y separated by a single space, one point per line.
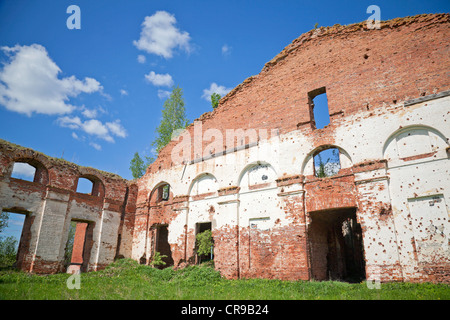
157 260
204 243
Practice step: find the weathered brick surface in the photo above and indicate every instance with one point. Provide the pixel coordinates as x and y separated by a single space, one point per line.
368 76
51 202
361 69
383 216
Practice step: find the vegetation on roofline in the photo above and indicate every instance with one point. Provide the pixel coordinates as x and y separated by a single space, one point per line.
59 161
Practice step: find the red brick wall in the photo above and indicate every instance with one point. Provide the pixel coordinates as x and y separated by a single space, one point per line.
50 198
360 68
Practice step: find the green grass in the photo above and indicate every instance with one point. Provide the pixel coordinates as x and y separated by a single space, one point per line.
126 279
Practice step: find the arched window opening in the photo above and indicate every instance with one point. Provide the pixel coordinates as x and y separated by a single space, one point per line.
163 192
85 186
24 171
327 163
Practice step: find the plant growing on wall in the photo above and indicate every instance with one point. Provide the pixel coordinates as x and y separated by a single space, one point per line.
215 97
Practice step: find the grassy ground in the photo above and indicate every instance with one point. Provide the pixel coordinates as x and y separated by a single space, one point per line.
126 279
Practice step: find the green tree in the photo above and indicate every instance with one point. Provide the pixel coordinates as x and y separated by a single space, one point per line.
8 251
4 216
320 173
204 243
137 166
173 118
215 97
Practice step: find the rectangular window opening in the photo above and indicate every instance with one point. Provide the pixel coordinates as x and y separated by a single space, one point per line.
318 103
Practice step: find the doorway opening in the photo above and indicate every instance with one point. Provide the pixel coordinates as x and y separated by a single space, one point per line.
161 244
337 251
78 247
14 239
204 244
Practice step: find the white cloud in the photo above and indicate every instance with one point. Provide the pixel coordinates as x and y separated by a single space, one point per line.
159 79
226 50
89 113
94 127
160 36
23 169
75 136
95 146
116 128
214 88
68 122
123 92
29 83
141 58
163 94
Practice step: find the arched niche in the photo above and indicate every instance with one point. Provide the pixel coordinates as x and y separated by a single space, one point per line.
414 142
203 184
257 175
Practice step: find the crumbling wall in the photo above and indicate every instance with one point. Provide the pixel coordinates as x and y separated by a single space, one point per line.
247 168
51 202
378 84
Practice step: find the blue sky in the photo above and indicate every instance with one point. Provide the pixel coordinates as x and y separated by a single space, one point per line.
94 95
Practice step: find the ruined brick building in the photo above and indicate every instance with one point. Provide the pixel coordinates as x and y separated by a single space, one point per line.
246 171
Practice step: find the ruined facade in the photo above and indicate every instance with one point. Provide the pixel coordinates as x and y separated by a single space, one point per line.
246 171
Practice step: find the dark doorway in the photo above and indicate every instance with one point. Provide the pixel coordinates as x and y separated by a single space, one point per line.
161 244
336 246
201 227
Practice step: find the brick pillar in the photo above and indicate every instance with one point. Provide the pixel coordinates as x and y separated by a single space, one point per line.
294 237
226 234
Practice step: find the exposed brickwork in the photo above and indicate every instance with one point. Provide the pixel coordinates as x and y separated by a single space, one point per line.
368 75
334 57
383 216
52 202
